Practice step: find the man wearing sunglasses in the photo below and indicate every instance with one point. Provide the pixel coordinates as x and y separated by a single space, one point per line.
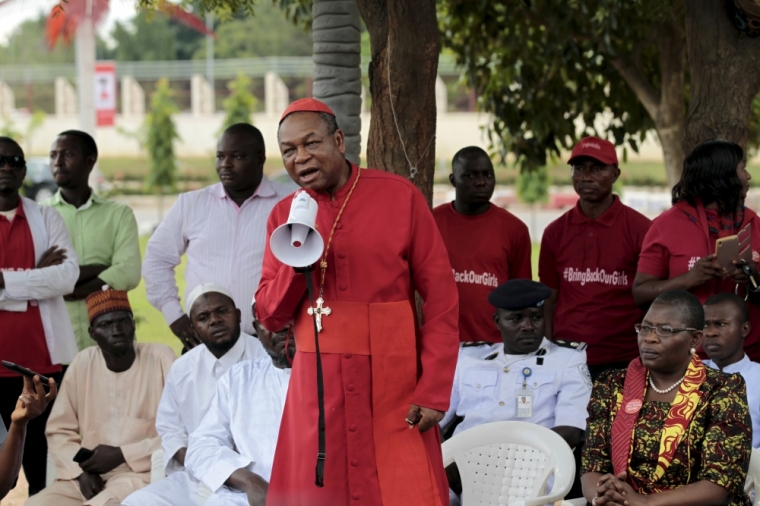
37 267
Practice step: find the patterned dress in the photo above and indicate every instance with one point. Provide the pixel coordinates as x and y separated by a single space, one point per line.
716 448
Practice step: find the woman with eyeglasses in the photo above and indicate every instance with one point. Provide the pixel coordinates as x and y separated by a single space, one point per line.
679 249
667 430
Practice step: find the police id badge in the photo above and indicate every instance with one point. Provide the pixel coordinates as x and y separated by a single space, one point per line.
524 399
524 396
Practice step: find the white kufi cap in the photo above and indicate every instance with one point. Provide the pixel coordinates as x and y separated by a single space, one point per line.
205 288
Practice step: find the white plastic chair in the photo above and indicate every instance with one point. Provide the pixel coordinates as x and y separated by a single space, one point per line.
752 485
510 463
158 473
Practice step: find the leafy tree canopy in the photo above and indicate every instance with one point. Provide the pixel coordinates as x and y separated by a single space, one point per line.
27 44
539 66
266 33
150 36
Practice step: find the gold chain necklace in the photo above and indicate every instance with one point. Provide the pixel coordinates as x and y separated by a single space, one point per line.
319 310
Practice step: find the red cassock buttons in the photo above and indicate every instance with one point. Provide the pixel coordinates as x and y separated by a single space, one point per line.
355 462
352 428
350 388
356 497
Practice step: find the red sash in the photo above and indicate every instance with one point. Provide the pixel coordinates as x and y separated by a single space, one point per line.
679 416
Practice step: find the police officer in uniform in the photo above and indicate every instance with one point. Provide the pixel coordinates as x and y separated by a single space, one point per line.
526 378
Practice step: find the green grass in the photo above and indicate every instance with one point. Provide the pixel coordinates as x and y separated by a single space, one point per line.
151 325
534 259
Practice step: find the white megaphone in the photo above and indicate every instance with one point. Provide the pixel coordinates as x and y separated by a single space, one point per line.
297 243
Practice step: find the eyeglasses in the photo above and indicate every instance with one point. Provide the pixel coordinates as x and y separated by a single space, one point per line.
14 162
660 330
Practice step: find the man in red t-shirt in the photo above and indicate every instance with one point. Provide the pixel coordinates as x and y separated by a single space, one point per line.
487 245
588 258
35 272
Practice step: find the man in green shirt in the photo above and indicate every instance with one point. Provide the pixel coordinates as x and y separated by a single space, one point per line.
103 232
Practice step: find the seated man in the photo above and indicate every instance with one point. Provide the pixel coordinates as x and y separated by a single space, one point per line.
105 414
232 450
191 385
527 378
726 326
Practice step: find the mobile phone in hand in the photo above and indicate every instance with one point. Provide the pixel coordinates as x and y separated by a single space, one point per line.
82 455
26 372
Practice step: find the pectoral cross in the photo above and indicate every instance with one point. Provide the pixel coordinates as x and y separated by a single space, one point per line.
319 311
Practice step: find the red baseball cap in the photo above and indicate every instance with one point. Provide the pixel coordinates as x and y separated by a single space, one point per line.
596 148
306 105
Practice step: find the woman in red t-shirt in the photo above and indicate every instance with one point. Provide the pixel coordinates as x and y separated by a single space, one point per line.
679 249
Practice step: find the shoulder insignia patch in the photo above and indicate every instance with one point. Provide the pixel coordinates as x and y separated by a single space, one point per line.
475 344
586 375
574 345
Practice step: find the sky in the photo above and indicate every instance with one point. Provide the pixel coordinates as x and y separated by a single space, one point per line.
17 12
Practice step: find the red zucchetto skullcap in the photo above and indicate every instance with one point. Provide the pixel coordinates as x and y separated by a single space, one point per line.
306 105
106 301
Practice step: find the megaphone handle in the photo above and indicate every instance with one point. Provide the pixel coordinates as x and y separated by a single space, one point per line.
320 470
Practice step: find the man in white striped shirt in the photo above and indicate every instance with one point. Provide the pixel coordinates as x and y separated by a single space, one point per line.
221 228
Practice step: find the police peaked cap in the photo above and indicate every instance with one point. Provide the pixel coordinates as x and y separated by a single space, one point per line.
519 294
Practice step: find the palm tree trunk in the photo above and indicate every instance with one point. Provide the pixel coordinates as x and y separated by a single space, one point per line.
337 66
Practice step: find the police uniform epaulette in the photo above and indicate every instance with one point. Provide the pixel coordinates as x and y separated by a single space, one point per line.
492 355
575 345
475 344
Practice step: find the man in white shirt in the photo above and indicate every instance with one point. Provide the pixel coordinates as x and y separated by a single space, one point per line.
232 450
726 326
38 266
221 228
191 385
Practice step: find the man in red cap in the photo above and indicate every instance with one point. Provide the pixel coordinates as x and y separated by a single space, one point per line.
386 381
588 258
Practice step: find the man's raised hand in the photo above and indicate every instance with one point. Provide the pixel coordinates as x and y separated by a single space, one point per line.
33 401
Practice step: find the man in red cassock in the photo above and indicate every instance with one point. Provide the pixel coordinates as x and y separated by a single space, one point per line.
387 381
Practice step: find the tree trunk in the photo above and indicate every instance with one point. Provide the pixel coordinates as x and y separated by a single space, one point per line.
671 46
725 75
666 106
337 66
408 33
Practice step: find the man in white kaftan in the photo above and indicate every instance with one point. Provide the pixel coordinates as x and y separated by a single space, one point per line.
190 387
235 443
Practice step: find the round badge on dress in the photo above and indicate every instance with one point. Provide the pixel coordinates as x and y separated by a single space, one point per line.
633 406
